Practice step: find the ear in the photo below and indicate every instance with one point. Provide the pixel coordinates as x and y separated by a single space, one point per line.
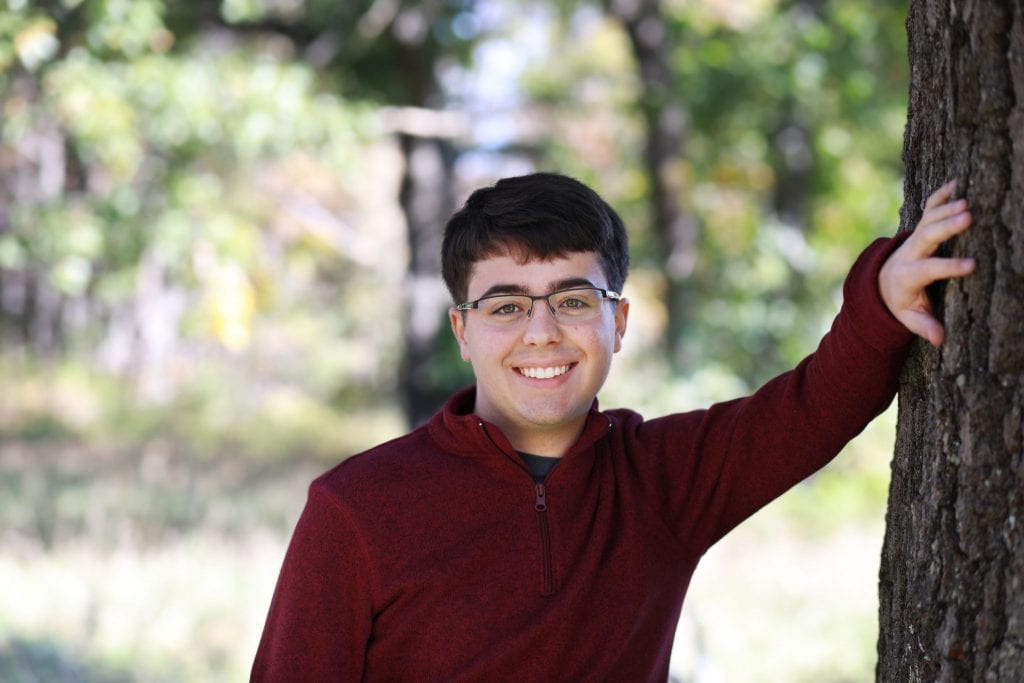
621 317
458 322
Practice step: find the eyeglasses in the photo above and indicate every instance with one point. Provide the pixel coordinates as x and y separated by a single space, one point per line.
568 306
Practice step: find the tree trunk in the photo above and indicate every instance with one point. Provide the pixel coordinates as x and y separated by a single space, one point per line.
952 575
665 117
427 199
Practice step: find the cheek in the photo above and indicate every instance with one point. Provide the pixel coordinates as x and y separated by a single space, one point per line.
601 342
480 349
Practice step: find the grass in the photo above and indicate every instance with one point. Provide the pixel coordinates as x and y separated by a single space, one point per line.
189 609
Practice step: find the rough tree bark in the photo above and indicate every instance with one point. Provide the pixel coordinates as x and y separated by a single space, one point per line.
952 575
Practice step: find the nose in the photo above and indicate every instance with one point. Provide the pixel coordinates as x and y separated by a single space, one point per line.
541 326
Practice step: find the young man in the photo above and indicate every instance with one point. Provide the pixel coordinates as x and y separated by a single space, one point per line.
522 534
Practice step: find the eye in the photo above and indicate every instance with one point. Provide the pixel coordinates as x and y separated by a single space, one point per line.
505 307
576 301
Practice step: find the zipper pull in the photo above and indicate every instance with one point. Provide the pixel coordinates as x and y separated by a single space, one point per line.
541 504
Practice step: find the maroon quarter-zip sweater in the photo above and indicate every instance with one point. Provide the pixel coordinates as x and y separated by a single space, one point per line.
435 557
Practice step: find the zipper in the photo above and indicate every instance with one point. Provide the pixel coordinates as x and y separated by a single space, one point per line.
541 505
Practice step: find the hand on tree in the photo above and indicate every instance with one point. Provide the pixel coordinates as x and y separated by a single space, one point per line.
913 266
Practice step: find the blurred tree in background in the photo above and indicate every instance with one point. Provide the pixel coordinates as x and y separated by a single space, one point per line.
220 221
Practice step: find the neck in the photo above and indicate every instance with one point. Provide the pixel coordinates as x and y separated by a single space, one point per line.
553 442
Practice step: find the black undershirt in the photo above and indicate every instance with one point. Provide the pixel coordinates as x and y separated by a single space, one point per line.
539 465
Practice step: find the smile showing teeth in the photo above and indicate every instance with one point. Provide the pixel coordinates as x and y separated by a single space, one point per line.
544 373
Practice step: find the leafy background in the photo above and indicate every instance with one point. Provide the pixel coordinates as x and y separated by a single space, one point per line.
218 232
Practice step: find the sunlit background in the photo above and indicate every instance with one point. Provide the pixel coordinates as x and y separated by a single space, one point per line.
219 231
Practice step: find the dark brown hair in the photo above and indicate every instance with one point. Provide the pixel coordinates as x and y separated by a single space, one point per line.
542 216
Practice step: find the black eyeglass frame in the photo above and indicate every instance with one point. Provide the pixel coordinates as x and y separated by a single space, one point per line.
606 294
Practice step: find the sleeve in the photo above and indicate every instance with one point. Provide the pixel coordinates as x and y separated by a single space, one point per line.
746 452
320 617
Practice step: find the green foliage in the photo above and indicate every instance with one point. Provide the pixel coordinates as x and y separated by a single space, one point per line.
211 175
27 36
796 119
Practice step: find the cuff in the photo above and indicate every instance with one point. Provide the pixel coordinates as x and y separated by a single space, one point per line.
871 318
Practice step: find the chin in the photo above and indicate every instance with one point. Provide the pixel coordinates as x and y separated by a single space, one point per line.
563 416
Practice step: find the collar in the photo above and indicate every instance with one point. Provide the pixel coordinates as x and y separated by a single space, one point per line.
456 428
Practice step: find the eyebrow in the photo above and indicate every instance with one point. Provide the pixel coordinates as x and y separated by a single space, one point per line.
567 283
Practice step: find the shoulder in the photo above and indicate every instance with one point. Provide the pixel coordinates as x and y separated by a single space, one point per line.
640 436
625 419
394 464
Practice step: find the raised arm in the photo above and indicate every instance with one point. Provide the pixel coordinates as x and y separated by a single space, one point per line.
735 457
913 266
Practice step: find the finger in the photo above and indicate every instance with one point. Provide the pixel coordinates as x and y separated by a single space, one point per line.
940 195
920 274
924 325
937 213
927 238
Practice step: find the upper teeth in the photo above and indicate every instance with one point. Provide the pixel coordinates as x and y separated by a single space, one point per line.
545 373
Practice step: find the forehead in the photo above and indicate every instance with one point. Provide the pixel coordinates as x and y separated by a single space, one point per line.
534 275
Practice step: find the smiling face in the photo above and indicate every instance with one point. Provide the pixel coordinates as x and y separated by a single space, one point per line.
536 380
